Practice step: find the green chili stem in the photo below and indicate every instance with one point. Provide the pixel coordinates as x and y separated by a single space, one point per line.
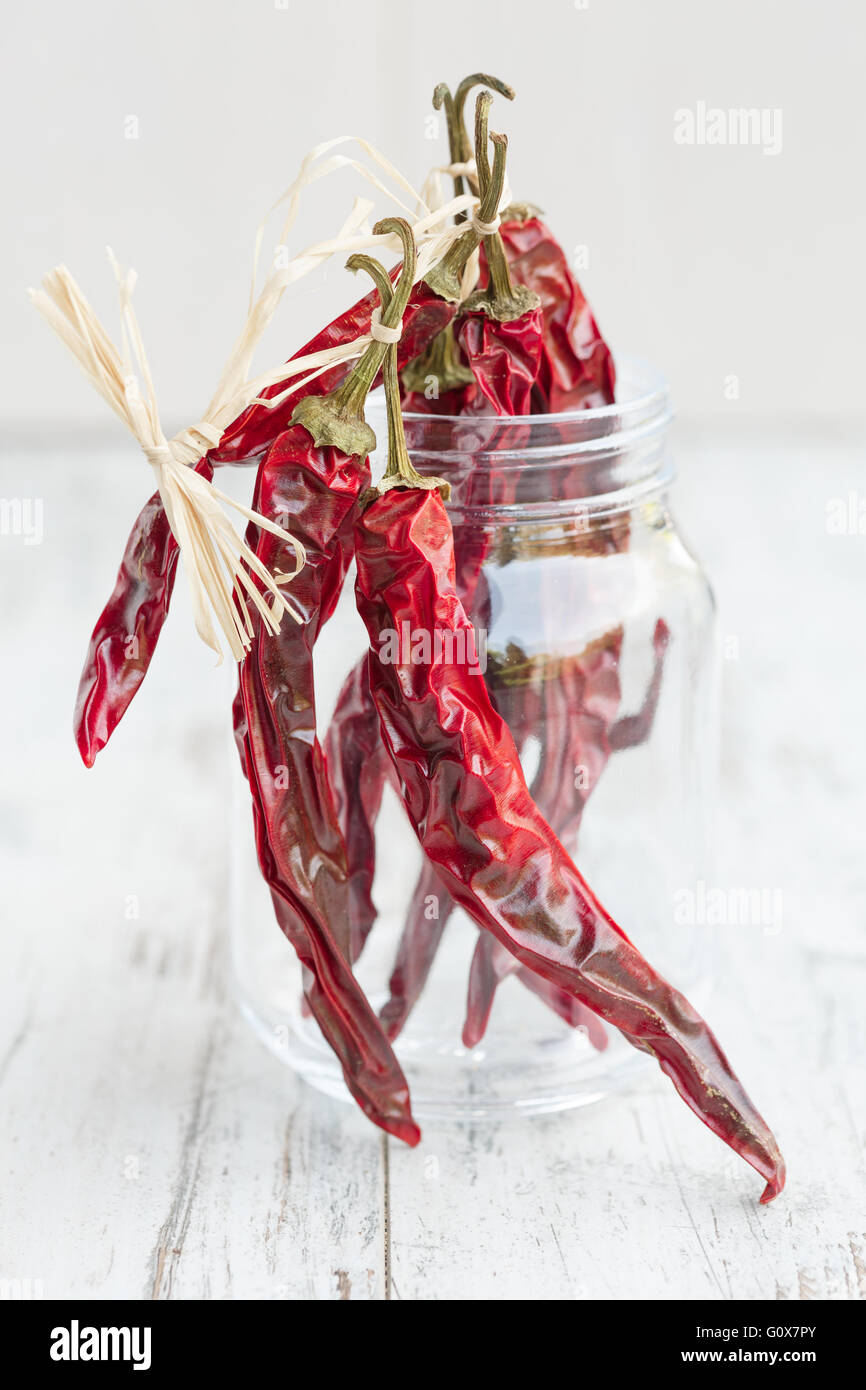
338 418
443 361
400 470
459 144
443 100
497 265
354 389
445 279
377 273
501 300
478 79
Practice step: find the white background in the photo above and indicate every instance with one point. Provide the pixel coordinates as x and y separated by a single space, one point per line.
708 261
149 1146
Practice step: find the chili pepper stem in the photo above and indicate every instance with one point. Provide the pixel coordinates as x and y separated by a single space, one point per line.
338 418
443 361
445 279
462 150
400 471
459 145
443 100
501 299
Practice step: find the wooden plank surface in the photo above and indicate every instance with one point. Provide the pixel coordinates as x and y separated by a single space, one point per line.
151 1148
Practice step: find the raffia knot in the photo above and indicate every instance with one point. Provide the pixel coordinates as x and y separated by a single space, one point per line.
486 228
380 332
159 456
226 576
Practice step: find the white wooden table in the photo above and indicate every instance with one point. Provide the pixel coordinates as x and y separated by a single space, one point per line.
152 1149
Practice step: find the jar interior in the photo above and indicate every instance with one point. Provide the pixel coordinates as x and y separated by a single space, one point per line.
588 610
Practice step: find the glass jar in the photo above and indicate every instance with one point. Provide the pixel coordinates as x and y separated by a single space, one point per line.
596 630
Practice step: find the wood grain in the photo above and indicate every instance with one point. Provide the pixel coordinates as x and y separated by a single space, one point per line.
153 1150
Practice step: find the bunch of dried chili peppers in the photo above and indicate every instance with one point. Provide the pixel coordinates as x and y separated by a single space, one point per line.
496 328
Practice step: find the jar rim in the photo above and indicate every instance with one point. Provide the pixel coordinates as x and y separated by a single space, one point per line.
650 395
608 458
640 415
642 392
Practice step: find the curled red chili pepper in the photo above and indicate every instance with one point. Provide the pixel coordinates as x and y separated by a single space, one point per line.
501 333
123 641
586 732
577 368
312 477
508 356
467 799
125 636
357 769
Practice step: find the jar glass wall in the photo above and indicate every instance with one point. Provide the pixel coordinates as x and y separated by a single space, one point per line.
596 637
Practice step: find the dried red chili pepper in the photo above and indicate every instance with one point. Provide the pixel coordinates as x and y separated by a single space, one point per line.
464 790
577 369
583 740
499 332
490 362
501 325
312 476
505 330
357 767
128 629
358 775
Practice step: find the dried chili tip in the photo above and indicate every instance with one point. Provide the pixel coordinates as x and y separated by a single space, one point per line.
759 1150
405 1130
775 1184
661 637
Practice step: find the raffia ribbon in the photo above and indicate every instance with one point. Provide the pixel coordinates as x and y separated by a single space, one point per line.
219 564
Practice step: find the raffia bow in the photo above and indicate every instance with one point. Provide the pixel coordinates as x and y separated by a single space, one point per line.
220 566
